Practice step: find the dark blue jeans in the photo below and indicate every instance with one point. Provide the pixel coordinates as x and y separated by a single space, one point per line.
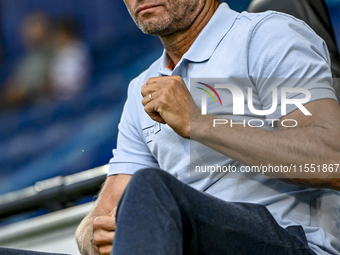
158 214
10 251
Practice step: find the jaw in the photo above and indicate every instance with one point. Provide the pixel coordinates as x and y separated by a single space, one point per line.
163 19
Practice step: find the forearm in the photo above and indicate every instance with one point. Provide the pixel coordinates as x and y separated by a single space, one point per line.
255 147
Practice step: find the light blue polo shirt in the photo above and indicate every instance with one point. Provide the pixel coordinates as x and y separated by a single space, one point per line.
254 48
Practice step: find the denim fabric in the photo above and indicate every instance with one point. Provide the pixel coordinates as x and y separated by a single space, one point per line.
10 251
158 214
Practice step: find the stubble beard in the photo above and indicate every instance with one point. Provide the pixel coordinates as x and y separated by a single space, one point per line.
177 17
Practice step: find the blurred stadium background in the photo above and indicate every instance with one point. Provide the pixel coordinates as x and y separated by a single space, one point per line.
47 149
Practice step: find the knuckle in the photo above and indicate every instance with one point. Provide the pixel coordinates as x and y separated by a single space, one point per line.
177 79
166 90
99 219
149 80
171 81
96 238
96 222
162 99
146 108
144 92
173 85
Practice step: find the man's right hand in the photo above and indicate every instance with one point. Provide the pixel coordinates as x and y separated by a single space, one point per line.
103 232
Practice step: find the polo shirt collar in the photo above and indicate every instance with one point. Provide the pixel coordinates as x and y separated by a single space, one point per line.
208 40
212 34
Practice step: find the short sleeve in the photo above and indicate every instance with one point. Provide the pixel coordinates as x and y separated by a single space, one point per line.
284 52
132 153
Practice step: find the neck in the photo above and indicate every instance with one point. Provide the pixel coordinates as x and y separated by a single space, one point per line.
178 43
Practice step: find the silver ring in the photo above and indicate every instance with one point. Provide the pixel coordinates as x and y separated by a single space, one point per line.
150 97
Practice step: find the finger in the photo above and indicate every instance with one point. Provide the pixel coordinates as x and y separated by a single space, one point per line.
150 109
153 80
156 83
146 90
104 222
105 250
146 99
102 237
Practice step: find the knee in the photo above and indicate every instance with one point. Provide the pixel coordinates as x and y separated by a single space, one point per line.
146 182
149 176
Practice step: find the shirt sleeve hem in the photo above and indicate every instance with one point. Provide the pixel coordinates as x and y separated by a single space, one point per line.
126 168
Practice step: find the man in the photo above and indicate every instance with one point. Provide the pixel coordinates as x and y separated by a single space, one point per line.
158 214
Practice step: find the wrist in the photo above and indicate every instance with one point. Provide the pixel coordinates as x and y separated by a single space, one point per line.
200 127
